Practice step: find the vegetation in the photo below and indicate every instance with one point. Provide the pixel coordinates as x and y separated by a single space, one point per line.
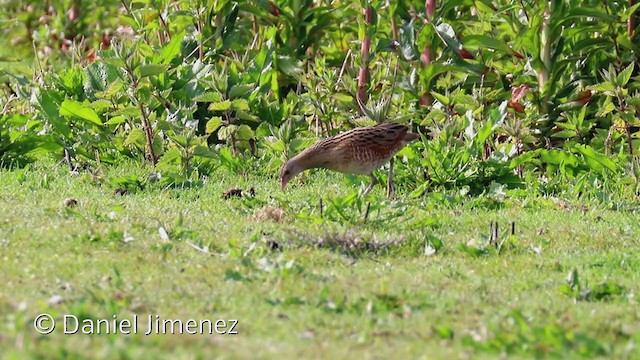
528 114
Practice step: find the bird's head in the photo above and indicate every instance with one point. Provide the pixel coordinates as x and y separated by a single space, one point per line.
288 171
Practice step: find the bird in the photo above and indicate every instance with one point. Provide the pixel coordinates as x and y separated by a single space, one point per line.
358 151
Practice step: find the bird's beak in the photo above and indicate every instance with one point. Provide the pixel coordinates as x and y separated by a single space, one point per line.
283 184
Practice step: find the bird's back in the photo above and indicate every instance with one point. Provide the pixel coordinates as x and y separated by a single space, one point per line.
361 150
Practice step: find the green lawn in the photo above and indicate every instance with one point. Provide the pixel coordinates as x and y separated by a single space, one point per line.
333 287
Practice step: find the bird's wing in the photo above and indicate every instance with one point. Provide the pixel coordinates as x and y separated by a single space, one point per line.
380 137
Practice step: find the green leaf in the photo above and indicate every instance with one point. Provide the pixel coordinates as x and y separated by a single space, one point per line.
135 137
152 69
209 97
244 132
114 88
204 151
48 101
582 11
441 98
170 156
623 77
483 41
45 148
172 49
213 124
342 97
522 159
116 120
220 106
76 109
595 161
448 36
240 104
606 108
627 14
241 90
565 134
605 87
225 132
635 102
286 65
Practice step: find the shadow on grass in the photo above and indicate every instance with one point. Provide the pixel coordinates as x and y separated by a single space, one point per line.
349 243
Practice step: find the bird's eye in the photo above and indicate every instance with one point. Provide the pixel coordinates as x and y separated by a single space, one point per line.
286 172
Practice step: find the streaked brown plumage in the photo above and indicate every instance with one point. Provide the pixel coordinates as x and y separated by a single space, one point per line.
358 151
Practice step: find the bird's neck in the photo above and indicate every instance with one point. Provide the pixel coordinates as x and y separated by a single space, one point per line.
309 159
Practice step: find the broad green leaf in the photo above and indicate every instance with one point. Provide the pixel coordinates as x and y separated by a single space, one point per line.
213 124
287 66
595 161
565 134
630 11
220 106
483 41
209 97
441 98
245 115
116 120
342 97
635 102
172 49
448 36
623 77
48 101
76 109
522 159
241 90
244 132
204 151
606 108
605 87
583 11
45 148
170 156
226 132
135 137
240 104
114 89
557 157
152 69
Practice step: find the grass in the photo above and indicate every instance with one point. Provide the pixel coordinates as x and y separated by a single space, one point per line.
309 286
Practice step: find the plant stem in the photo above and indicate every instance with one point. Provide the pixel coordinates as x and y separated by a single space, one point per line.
631 23
425 58
545 56
148 132
363 76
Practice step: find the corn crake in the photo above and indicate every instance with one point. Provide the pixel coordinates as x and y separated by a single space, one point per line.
358 151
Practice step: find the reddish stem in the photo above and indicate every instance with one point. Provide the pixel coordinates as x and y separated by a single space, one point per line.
431 8
425 58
